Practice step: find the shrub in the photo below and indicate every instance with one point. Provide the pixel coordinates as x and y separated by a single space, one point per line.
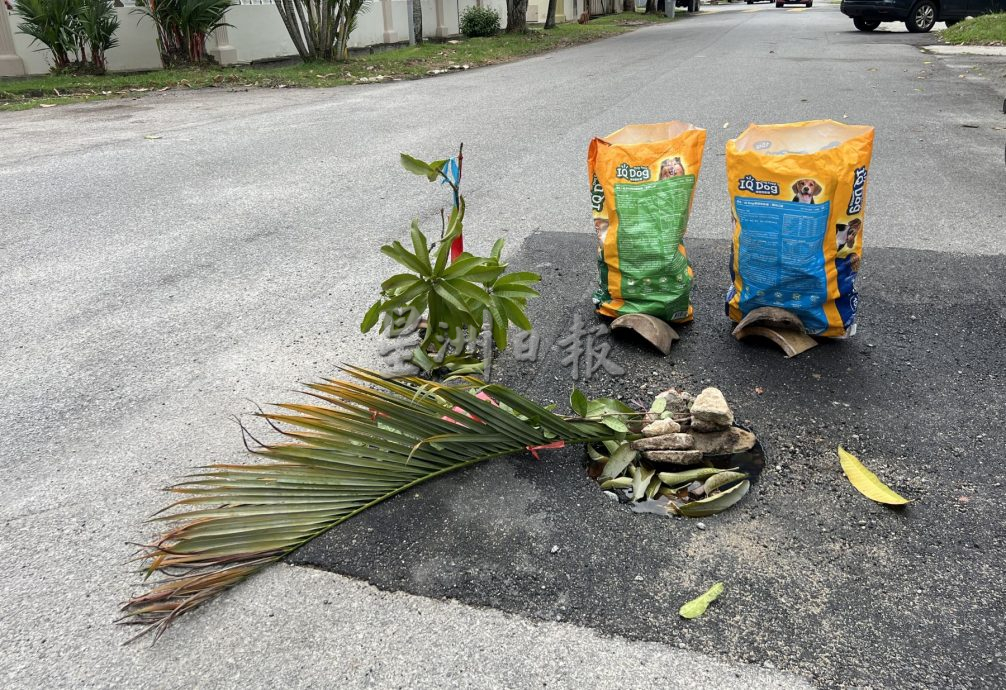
182 26
76 32
480 21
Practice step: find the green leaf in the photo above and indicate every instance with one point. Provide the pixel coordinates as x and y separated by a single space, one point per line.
421 248
423 361
696 607
371 317
396 251
443 288
416 166
621 458
514 313
435 168
617 483
687 476
866 482
518 278
497 250
715 504
578 401
615 423
658 406
398 281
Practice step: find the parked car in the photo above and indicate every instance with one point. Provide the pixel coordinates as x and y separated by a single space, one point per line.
918 15
783 3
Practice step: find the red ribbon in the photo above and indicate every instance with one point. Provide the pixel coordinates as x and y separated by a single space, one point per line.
548 446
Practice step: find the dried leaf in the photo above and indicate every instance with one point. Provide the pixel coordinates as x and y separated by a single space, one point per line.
866 482
716 504
640 482
696 607
722 479
687 476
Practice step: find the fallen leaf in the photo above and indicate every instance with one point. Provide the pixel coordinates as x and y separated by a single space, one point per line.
866 482
715 504
619 460
721 479
152 136
725 125
687 476
697 606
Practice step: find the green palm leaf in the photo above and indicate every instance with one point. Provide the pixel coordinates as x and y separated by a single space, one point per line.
360 443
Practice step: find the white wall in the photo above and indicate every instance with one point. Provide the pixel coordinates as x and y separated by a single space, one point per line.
137 49
258 33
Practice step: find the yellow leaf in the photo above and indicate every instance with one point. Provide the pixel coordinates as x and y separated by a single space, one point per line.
866 482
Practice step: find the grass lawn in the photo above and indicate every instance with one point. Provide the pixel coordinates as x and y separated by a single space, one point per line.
400 63
987 30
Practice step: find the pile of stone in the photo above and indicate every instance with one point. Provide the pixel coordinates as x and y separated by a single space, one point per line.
688 429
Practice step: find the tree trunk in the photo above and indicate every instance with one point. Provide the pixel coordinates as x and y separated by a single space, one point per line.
651 6
550 15
629 6
516 16
417 20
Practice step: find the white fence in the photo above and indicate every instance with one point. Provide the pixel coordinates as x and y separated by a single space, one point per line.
257 33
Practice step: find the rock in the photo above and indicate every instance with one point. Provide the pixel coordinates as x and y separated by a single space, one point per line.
677 401
698 426
674 457
701 525
733 440
661 427
710 406
665 442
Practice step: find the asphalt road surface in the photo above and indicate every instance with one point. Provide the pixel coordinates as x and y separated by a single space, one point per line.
153 286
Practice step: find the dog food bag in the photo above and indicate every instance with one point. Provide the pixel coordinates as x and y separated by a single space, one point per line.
797 194
642 179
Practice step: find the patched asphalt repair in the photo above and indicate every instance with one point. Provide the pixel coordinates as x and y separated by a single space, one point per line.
819 580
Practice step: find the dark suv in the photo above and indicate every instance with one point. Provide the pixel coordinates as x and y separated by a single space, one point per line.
918 15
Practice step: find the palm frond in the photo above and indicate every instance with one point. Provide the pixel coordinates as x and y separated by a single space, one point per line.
355 444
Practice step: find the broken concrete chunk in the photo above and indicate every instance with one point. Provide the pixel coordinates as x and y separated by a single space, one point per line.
733 440
674 457
677 401
710 406
655 331
792 342
771 317
697 425
661 427
665 442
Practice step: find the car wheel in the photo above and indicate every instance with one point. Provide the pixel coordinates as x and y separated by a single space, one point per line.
810 3
779 4
750 2
922 17
865 24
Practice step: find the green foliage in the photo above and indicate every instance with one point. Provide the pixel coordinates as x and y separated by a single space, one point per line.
76 32
182 26
989 29
353 445
480 21
455 296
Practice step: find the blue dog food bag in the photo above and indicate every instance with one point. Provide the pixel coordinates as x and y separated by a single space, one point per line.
797 197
